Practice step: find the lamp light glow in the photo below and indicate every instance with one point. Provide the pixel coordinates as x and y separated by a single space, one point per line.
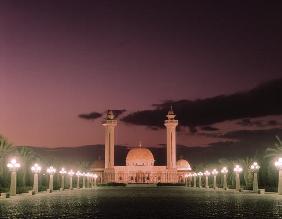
238 169
51 170
36 168
13 165
224 170
214 172
255 166
63 171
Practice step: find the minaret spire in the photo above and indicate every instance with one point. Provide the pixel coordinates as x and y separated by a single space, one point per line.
171 124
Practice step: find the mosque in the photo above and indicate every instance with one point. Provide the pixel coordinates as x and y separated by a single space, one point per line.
140 161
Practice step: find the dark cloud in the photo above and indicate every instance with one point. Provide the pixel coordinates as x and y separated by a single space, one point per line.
249 122
118 112
96 115
263 100
90 116
209 128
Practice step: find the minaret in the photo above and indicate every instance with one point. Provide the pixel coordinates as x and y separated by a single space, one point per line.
110 123
171 124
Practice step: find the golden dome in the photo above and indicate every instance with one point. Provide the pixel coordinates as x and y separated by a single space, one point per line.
183 165
140 157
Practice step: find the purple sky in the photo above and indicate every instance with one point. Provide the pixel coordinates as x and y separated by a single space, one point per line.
58 60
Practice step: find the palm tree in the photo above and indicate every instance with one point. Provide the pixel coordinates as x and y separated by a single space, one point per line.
274 151
26 155
248 177
84 165
5 149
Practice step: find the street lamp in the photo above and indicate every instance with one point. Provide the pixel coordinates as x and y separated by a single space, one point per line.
51 170
78 174
36 169
186 179
200 174
88 179
224 171
214 173
13 166
207 173
71 173
83 180
195 180
278 164
95 176
237 170
255 168
190 179
62 172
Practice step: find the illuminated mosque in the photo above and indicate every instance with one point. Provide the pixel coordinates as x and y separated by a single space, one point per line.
140 161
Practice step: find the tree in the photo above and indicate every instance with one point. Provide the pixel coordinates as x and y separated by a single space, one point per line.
6 148
247 174
276 150
27 156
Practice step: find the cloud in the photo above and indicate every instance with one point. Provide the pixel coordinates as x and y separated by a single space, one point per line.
118 112
90 116
209 128
96 115
262 100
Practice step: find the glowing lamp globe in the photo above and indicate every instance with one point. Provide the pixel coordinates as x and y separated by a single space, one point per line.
207 173
71 173
224 170
36 168
278 163
51 170
95 176
78 173
200 174
186 175
255 166
63 171
13 165
237 169
214 172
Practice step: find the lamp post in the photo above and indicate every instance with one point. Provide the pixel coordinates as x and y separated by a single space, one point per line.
224 171
207 173
51 170
36 169
189 179
255 168
88 180
200 174
278 164
186 179
195 180
63 172
83 180
13 166
78 174
95 176
71 173
214 173
237 170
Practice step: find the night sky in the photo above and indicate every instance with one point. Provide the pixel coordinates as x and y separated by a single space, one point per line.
64 63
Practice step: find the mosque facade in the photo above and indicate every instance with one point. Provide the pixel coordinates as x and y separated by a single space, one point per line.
140 161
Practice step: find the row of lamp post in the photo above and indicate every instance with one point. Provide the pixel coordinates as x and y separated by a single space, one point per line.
237 169
13 166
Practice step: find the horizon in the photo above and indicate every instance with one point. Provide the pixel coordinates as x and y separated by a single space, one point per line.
65 63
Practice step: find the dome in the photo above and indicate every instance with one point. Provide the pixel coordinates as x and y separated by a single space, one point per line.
140 157
183 165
